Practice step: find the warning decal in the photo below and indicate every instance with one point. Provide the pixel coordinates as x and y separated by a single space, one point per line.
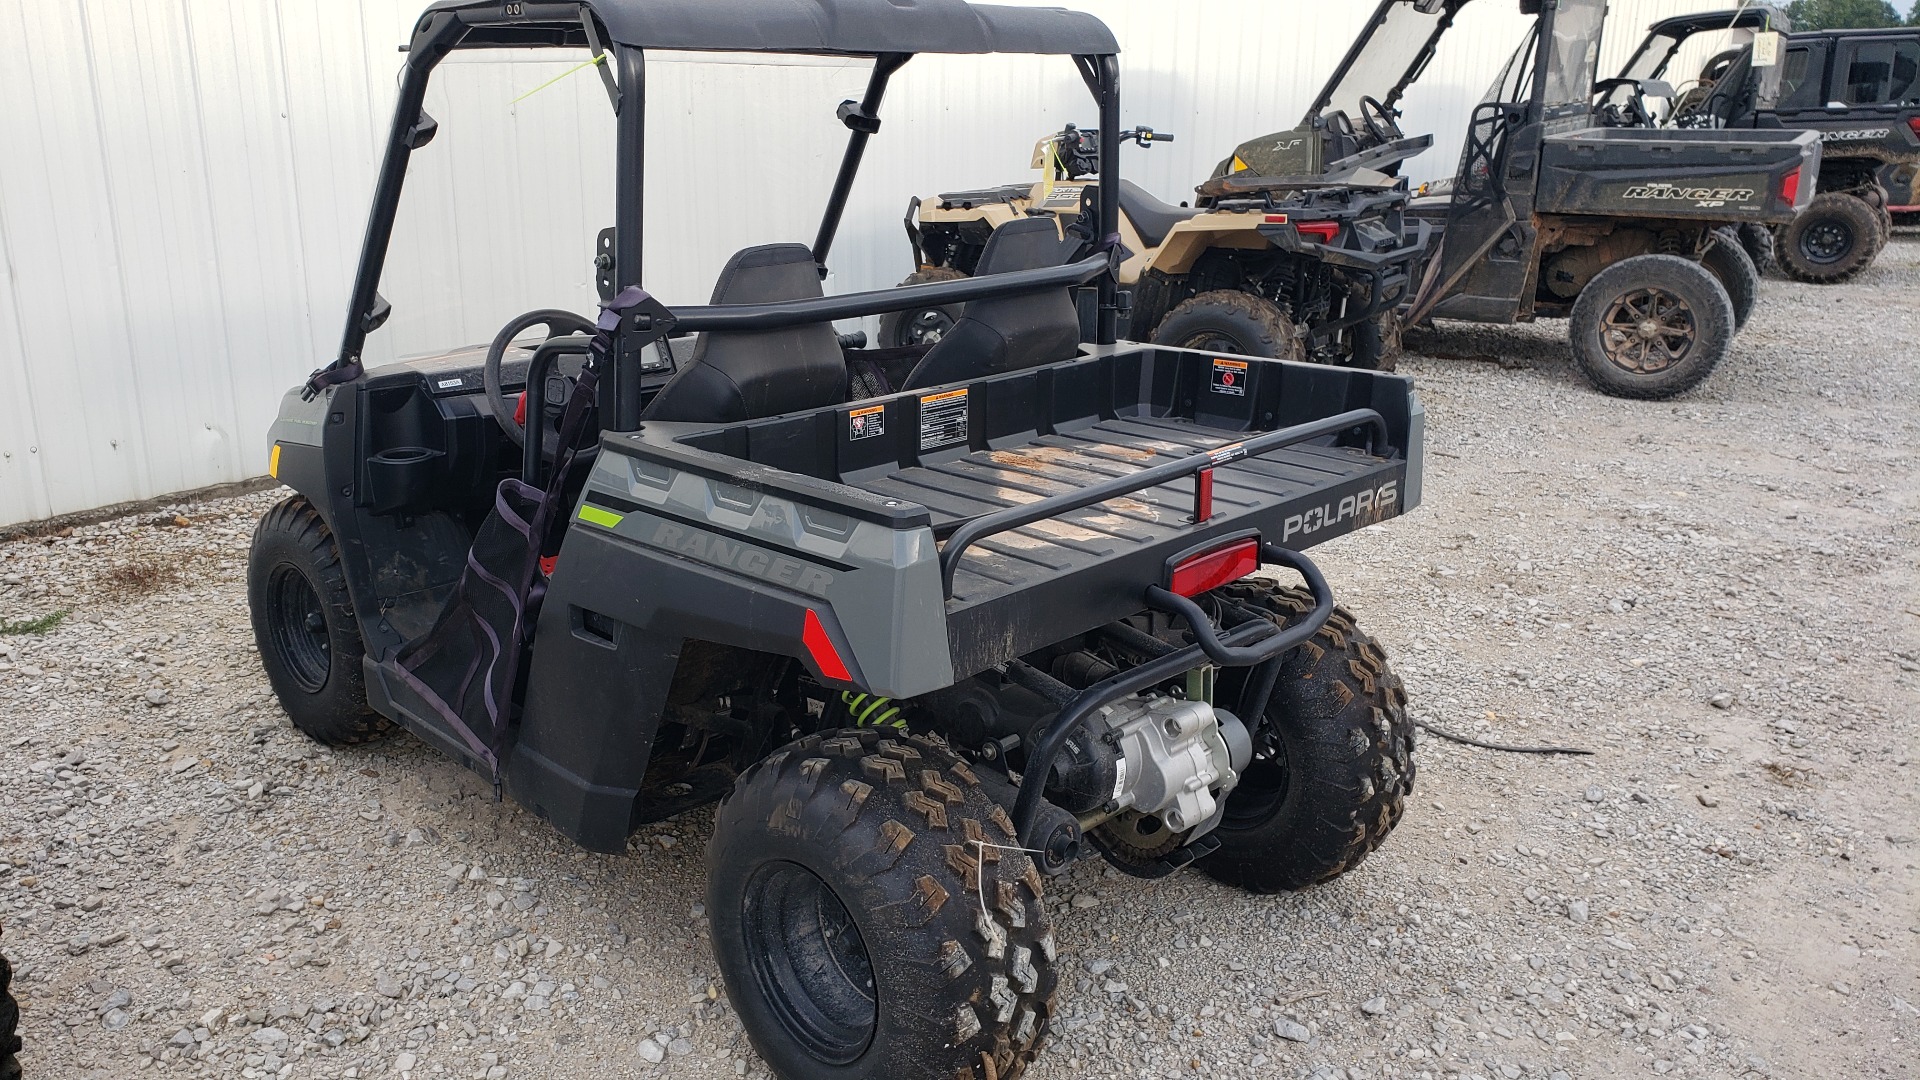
867 423
943 419
1230 377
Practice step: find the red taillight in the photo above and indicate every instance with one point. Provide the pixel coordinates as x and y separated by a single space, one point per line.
1215 568
819 646
1278 219
1790 187
1323 231
1913 122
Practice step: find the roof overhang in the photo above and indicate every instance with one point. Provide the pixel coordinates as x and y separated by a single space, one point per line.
818 27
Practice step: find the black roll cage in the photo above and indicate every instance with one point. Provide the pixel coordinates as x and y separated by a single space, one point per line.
510 24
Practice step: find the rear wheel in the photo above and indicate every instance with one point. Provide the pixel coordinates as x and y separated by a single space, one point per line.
1651 327
1333 764
1232 323
1729 261
1758 240
873 916
921 326
1833 240
304 625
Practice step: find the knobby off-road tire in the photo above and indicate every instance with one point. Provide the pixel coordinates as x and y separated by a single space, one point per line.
846 878
1379 342
9 1024
1833 240
1729 261
921 326
1233 323
1651 327
1759 242
304 625
1333 765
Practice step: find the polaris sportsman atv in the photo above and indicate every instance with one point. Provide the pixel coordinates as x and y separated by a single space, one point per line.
925 649
1305 270
1551 214
1857 90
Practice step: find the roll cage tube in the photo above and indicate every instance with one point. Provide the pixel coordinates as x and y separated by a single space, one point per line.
536 25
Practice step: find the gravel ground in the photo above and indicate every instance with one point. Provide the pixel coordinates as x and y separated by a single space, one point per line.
1718 595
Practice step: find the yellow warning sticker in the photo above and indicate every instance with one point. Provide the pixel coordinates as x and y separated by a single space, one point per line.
943 419
867 423
1230 377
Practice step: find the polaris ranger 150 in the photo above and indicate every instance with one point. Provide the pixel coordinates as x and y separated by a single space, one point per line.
1552 214
924 649
1857 90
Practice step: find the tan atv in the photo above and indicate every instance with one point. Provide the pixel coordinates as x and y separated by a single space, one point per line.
1307 271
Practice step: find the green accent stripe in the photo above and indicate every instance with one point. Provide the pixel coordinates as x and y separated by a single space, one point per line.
600 517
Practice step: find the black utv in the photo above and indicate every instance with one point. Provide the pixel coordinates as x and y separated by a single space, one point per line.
923 649
1857 90
1554 214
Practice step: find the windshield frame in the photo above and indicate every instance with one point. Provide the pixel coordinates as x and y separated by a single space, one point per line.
1415 68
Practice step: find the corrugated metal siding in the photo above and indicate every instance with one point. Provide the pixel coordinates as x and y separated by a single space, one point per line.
183 184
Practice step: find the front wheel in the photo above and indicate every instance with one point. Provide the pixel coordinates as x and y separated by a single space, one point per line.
1833 240
304 625
1333 761
1235 323
874 917
921 326
1651 327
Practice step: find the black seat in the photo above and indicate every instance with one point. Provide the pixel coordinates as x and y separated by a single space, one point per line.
1008 333
1151 218
745 376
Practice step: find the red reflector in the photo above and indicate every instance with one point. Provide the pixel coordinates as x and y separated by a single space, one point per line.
1277 219
819 646
1323 231
1216 568
1790 187
1914 123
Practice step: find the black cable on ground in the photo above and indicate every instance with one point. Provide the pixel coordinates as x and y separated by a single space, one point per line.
1451 737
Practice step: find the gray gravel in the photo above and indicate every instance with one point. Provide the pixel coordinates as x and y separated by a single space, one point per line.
1718 594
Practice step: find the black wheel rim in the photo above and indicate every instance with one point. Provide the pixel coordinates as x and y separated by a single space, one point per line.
925 327
298 626
809 963
1263 789
1214 341
1826 242
1647 331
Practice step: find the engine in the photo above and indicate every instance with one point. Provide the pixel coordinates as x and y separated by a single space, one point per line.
1160 756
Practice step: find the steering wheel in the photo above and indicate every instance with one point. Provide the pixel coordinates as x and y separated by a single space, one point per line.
559 324
1379 120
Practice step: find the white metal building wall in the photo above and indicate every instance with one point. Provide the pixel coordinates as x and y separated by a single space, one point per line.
183 184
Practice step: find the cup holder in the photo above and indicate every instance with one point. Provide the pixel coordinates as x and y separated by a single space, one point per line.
403 476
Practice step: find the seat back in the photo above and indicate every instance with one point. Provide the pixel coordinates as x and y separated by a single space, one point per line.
1008 333
738 375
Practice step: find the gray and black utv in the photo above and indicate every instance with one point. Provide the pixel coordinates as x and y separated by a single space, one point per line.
923 649
1553 214
1857 90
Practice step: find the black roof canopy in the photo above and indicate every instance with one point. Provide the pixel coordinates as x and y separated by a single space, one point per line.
832 27
1750 17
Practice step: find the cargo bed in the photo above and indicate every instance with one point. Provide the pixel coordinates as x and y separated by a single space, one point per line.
1049 499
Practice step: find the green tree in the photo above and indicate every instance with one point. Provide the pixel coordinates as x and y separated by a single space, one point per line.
1845 14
